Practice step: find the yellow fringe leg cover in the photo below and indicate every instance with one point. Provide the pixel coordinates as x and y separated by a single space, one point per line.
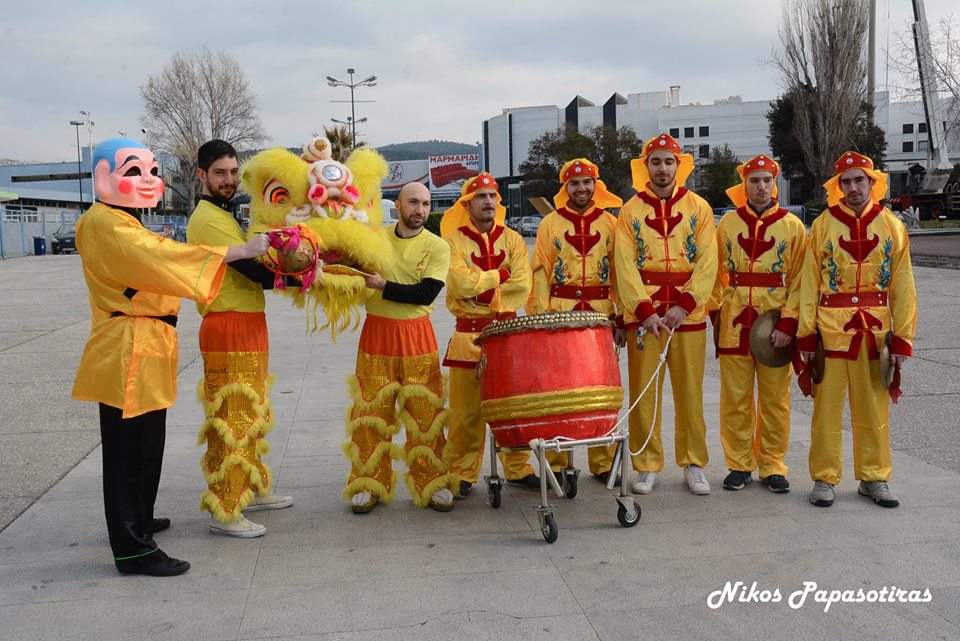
234 394
370 425
423 414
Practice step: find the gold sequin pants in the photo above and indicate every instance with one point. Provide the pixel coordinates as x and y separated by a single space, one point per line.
397 380
234 396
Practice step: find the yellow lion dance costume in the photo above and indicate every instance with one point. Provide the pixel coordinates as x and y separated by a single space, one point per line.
279 185
340 205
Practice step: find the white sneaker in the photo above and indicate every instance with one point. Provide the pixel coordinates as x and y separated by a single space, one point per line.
693 477
268 502
442 500
241 528
644 483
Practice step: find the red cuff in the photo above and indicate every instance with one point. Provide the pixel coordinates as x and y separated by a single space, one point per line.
901 347
644 311
504 275
487 296
807 343
788 326
687 302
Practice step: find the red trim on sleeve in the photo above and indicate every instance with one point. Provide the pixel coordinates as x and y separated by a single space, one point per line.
687 302
900 347
807 343
486 297
644 311
788 326
504 275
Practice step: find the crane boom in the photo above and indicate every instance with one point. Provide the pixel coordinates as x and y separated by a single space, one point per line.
938 161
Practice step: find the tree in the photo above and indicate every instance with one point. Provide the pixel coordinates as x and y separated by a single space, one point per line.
867 138
717 175
945 43
822 62
196 97
340 141
610 149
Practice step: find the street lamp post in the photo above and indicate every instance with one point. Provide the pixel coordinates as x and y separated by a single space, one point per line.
370 81
351 127
77 123
88 115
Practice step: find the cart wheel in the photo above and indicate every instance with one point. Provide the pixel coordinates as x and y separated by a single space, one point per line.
570 485
493 493
549 528
622 515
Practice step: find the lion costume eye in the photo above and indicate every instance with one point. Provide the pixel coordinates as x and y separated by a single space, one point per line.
275 193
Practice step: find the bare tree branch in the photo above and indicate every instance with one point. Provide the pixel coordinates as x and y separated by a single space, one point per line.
196 97
821 57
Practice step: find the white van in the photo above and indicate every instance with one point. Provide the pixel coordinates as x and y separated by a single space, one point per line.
389 211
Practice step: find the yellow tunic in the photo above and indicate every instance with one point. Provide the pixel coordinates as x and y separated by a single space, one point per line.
854 255
425 255
675 237
211 225
489 275
574 252
130 360
747 245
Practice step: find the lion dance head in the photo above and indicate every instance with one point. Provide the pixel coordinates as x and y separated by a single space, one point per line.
339 203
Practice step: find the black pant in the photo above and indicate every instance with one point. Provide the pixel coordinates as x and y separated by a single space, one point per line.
132 457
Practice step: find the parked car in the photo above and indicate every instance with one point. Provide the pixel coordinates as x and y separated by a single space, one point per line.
64 239
528 225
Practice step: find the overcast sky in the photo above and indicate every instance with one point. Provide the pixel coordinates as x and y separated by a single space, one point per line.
443 66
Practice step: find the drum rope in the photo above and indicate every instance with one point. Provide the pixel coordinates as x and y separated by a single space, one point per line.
656 402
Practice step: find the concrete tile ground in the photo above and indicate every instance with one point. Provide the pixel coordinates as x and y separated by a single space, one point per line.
402 574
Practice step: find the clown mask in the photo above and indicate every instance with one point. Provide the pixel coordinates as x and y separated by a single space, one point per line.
127 174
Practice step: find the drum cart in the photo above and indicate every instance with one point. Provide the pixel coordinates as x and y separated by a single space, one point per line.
551 382
628 510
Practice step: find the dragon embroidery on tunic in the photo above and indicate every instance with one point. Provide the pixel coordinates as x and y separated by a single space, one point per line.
835 280
777 267
559 267
690 244
643 252
883 273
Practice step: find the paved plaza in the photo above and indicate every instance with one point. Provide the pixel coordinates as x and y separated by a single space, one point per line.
403 574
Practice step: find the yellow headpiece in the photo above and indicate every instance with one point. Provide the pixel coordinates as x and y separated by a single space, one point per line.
663 142
738 193
458 215
853 160
582 167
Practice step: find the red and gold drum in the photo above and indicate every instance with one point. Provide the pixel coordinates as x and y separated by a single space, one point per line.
549 375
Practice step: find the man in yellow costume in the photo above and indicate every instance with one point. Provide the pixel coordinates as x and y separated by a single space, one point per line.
234 345
398 366
572 266
135 280
857 286
489 280
666 262
760 250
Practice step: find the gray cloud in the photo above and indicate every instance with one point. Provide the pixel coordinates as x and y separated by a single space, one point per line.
443 66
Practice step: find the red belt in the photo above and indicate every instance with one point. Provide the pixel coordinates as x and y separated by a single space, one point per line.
861 299
756 279
664 279
573 292
477 325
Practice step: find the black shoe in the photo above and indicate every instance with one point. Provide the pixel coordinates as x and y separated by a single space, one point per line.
464 490
737 480
604 477
529 482
159 525
777 483
157 563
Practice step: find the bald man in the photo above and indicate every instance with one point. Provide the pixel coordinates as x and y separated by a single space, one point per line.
398 376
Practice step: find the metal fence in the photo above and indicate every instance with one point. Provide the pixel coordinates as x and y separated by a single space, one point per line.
19 229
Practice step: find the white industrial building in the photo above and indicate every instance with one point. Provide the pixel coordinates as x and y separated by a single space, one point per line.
742 125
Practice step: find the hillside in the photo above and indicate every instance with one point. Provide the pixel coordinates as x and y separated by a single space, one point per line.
421 149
